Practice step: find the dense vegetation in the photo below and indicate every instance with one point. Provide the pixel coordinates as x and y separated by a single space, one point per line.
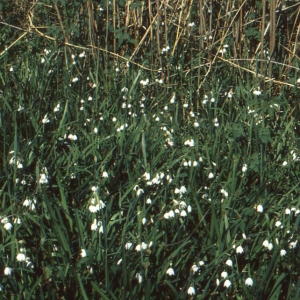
149 150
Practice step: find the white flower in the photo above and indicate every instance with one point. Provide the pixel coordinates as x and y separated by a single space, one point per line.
191 291
195 163
191 24
183 213
217 282
104 174
8 226
266 243
173 98
160 81
47 51
43 178
257 92
293 245
182 190
94 189
144 82
148 201
72 137
139 277
187 163
182 204
93 208
225 193
171 214
144 246
259 208
227 283
139 192
194 268
94 226
278 223
83 253
26 202
224 274
7 271
166 49
287 211
4 220
17 221
190 143
284 163
45 119
119 261
229 262
170 272
249 281
166 215
244 169
21 257
56 108
282 252
128 246
239 249
100 227
144 220
146 175
211 175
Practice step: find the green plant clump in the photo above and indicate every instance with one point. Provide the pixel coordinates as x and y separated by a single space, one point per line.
149 151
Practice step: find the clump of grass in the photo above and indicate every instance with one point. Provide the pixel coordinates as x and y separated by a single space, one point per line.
150 157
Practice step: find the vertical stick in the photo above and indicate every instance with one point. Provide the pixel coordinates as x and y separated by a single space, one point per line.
272 33
262 36
114 24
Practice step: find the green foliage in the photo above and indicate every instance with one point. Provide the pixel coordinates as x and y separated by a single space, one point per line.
114 176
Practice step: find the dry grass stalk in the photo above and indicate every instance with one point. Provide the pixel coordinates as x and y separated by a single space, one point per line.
272 33
262 36
150 25
264 78
92 24
185 9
